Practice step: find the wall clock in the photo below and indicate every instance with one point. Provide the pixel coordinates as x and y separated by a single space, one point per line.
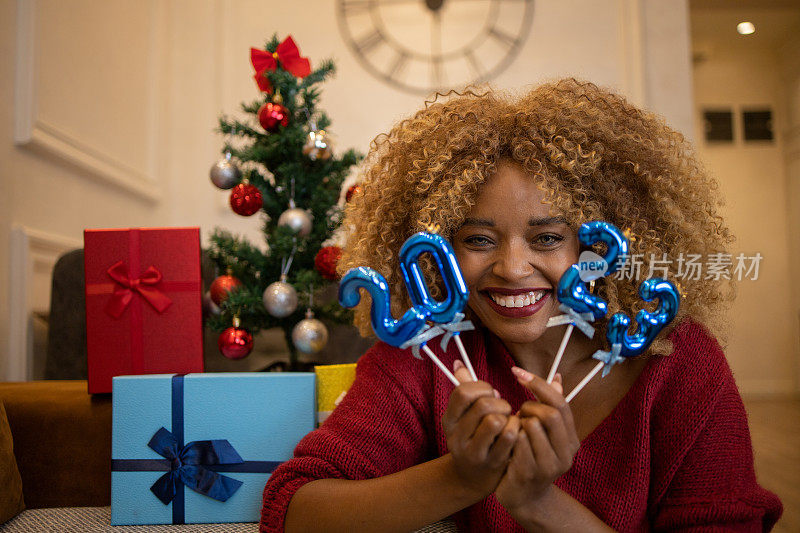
421 46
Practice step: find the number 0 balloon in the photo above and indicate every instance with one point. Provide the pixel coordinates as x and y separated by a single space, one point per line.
442 252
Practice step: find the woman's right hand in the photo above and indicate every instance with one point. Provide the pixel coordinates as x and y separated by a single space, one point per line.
481 432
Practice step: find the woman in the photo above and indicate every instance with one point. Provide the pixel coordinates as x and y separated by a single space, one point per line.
660 443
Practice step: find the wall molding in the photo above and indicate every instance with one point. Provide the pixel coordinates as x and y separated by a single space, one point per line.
632 50
31 250
35 133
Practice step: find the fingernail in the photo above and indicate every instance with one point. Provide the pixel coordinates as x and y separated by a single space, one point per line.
457 365
496 394
558 377
522 374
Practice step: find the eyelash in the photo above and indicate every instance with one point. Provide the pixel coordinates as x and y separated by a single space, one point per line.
473 240
480 240
555 239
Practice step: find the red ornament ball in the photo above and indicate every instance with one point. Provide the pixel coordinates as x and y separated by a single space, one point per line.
222 286
272 115
246 199
352 191
325 261
235 343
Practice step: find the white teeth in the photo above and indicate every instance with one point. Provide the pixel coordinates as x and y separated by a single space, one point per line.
520 300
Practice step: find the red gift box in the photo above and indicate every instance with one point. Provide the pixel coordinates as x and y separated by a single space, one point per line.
143 303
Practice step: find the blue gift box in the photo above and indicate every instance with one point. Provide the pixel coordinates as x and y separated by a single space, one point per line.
199 448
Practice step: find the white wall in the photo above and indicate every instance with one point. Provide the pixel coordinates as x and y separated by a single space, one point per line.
763 346
78 145
118 102
603 42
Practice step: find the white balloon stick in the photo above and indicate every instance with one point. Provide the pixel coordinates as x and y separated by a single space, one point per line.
560 354
441 366
465 357
597 368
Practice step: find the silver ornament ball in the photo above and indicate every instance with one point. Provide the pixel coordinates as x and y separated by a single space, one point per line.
225 174
280 299
310 335
296 219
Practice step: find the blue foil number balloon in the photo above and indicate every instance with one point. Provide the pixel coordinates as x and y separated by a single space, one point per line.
389 330
442 252
649 324
572 290
425 307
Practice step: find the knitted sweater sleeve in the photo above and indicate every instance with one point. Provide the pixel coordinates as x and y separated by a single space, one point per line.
708 483
377 429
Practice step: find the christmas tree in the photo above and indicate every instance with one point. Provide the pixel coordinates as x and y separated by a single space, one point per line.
279 162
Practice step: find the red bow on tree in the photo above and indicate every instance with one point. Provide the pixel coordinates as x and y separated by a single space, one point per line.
289 56
123 293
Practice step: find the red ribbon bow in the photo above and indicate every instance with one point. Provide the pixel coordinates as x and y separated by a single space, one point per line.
123 293
289 56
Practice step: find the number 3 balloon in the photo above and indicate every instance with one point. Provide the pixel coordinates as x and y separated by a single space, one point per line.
650 324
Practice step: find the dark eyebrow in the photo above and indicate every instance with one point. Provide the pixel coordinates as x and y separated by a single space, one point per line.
478 222
488 223
546 221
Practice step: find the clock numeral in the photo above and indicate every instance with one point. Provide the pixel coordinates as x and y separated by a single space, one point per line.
503 37
399 64
370 41
354 7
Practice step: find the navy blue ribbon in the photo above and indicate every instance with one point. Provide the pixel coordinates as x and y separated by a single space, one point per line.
187 466
194 465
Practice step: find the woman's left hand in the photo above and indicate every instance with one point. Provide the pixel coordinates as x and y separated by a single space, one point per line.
544 449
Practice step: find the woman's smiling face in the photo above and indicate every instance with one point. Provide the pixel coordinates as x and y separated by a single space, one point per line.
512 251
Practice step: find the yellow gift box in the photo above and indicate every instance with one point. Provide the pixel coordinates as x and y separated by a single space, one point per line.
333 381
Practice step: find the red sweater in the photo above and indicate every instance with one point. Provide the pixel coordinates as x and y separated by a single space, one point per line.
674 454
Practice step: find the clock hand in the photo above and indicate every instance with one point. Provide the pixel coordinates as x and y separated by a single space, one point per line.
436 46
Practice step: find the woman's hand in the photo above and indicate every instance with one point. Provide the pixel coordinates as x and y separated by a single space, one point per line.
543 450
480 431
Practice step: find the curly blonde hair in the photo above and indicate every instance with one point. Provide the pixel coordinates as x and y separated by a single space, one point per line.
596 157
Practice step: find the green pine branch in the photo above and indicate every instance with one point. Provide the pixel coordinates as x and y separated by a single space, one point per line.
317 187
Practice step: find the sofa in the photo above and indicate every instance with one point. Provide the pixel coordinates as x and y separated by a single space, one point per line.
61 435
62 446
